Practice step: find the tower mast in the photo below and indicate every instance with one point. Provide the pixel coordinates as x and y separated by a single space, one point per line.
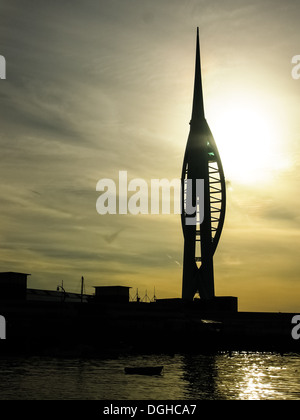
201 228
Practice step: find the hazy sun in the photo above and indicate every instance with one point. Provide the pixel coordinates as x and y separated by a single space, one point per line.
248 142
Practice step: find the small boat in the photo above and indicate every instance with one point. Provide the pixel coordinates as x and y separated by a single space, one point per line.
146 370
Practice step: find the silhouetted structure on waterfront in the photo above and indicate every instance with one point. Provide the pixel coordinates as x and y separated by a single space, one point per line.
13 286
203 227
45 322
112 294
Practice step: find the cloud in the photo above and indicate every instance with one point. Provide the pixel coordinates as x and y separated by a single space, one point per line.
96 87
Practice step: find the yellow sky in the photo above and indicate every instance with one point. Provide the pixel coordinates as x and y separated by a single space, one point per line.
97 87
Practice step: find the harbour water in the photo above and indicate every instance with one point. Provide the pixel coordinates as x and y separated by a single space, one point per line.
236 376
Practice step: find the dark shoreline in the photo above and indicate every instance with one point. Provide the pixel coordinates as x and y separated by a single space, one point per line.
105 330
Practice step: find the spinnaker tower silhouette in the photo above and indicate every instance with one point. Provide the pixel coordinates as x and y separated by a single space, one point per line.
201 228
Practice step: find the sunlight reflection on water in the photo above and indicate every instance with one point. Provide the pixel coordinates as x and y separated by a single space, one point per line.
238 376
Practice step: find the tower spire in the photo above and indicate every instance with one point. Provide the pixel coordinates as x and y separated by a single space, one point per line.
198 107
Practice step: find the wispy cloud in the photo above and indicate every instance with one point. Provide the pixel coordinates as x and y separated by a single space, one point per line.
96 87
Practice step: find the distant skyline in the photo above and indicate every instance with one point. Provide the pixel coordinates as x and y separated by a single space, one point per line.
96 87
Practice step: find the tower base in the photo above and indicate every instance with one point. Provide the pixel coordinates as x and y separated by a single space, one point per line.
217 304
224 304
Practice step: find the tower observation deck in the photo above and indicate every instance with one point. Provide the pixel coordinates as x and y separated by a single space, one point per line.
203 225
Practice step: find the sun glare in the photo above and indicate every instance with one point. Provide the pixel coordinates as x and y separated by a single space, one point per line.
248 143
